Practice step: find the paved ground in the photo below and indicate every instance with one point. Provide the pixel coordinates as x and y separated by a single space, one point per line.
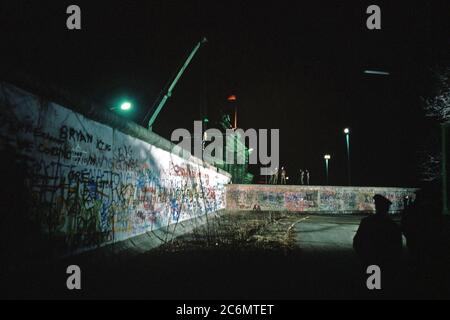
242 256
324 233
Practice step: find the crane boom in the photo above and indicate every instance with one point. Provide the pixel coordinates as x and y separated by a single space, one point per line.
174 82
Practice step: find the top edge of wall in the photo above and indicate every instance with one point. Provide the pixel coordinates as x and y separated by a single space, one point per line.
98 113
315 187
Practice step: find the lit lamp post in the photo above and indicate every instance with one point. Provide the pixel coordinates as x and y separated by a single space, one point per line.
347 139
327 157
125 106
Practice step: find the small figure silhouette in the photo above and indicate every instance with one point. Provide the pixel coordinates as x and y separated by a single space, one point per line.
275 177
378 239
283 175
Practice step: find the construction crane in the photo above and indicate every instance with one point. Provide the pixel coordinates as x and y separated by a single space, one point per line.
173 84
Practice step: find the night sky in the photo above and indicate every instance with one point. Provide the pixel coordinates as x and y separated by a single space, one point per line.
292 65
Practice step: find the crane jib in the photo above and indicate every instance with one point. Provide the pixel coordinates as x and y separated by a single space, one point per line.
174 82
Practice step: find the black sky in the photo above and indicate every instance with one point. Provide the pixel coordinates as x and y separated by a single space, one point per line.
296 66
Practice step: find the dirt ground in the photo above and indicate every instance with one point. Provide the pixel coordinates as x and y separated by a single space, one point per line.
241 255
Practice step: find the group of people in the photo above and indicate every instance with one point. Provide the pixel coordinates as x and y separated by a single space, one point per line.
275 175
303 178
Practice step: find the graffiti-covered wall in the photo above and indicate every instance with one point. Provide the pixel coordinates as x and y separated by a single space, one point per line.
89 184
313 198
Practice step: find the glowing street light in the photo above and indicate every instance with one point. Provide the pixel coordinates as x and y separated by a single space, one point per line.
347 139
327 157
125 106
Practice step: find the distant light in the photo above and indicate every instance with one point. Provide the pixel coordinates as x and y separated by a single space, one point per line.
125 106
205 120
327 157
383 73
346 130
232 98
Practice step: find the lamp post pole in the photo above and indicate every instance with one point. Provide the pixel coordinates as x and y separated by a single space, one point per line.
347 139
327 157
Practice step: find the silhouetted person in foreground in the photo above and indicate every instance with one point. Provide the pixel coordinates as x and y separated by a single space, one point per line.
378 239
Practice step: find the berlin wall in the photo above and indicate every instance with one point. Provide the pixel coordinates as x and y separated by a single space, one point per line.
325 199
87 184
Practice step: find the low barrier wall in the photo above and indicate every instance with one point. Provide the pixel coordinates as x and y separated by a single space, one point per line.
328 199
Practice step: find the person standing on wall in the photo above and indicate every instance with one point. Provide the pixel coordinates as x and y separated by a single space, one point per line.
274 179
302 177
283 175
307 177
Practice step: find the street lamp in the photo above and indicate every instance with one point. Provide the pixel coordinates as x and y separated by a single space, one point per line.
327 157
347 139
125 106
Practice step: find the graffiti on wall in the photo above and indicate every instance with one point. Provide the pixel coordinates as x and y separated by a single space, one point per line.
312 199
90 184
